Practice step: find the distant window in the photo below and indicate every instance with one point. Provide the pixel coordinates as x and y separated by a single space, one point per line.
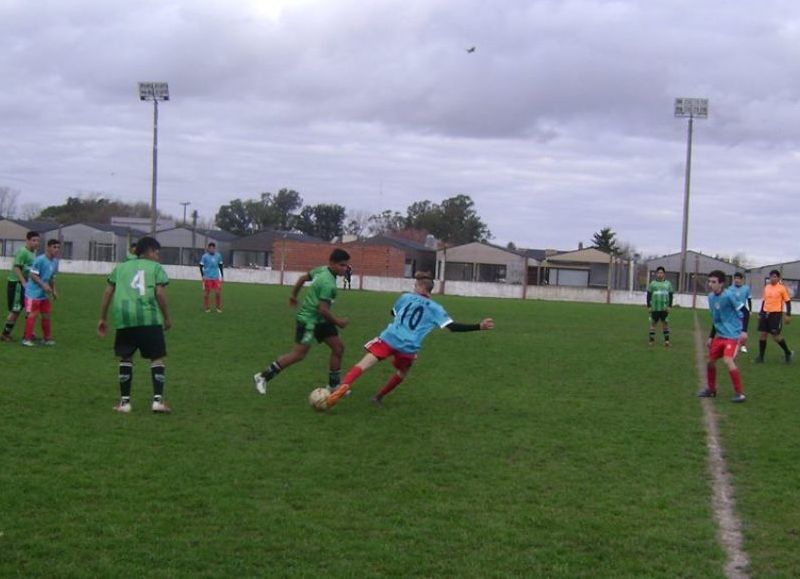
66 250
456 271
491 272
569 277
102 251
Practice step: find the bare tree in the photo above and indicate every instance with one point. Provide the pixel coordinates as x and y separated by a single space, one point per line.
8 201
357 222
29 211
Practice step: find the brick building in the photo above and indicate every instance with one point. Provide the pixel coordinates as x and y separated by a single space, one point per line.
377 260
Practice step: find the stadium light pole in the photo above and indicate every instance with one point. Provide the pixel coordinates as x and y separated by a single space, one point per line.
691 108
154 91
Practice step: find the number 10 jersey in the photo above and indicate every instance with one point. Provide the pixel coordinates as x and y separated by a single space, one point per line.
415 316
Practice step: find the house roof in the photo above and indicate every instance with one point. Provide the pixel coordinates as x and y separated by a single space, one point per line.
33 225
586 255
217 234
264 240
406 244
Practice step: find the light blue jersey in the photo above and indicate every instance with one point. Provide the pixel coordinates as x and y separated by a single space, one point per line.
45 268
725 314
210 263
415 316
741 293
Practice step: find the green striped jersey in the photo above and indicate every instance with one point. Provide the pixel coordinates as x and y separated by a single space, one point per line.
323 288
659 295
134 302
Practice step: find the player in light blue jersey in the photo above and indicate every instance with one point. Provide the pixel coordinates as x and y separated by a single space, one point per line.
742 292
41 286
415 316
729 319
212 273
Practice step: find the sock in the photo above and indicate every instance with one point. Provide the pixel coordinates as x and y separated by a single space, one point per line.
736 378
666 335
762 348
218 299
29 322
159 378
711 374
46 328
205 300
8 327
125 380
652 335
272 370
785 348
393 383
353 375
334 378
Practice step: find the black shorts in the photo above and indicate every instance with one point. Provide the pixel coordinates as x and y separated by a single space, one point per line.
149 340
14 297
771 322
320 332
656 317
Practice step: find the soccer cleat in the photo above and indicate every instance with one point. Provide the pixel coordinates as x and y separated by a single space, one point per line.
122 407
6 338
208 311
789 357
219 311
28 343
160 407
260 383
376 401
49 343
706 393
739 398
666 344
743 349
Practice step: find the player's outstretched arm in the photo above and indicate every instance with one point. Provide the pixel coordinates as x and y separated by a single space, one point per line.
484 324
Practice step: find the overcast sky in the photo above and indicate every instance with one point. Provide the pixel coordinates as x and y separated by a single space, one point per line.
558 124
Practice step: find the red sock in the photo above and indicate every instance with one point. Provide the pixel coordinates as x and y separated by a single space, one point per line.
736 378
711 373
29 322
46 328
205 300
219 300
393 383
353 375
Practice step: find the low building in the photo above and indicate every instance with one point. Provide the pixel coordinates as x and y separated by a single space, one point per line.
96 241
757 277
258 250
418 256
698 266
184 245
583 267
13 233
480 261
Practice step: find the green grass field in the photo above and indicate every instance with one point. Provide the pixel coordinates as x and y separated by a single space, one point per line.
558 445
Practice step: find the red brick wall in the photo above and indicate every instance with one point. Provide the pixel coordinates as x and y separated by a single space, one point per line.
366 259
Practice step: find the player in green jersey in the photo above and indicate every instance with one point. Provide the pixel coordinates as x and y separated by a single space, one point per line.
659 303
314 321
137 296
17 278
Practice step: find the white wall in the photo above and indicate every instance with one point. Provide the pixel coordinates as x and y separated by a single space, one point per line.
397 285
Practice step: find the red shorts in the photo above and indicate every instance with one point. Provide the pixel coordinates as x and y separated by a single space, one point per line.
212 285
723 348
381 350
37 306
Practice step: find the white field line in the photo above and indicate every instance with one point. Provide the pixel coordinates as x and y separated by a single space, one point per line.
723 502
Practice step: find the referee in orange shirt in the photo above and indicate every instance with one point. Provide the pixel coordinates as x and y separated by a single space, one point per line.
770 318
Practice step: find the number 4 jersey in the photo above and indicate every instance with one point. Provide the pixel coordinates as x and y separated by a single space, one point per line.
415 316
134 302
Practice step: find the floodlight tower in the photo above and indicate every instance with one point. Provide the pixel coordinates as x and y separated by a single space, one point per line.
154 91
691 108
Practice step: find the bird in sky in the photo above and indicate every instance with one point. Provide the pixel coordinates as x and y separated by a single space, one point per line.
471 49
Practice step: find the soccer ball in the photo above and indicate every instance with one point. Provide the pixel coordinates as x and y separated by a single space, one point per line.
318 399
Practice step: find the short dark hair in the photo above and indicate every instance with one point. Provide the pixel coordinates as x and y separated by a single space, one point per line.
211 244
52 242
145 244
339 256
719 274
661 268
776 272
426 277
739 275
31 234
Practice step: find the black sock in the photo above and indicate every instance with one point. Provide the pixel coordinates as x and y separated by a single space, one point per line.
762 348
785 348
159 378
653 336
272 370
666 335
125 380
8 327
334 378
